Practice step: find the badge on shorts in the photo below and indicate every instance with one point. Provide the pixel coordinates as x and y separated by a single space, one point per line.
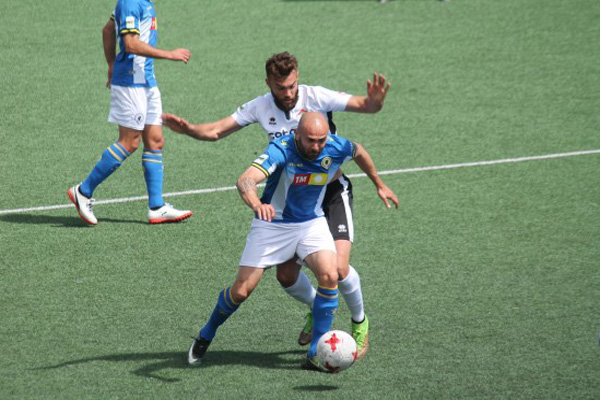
138 118
326 162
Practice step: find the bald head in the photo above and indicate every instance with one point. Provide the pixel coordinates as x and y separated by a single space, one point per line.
311 134
313 121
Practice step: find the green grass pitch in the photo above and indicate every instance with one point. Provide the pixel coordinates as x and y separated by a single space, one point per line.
484 284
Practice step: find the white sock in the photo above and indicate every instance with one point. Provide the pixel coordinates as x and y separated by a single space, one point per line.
302 290
352 293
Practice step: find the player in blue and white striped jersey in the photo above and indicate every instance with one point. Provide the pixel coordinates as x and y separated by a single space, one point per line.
289 220
278 113
135 106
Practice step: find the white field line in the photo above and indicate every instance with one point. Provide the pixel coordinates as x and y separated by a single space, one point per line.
390 172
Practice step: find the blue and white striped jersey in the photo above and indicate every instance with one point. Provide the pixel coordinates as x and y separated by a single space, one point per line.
295 185
135 16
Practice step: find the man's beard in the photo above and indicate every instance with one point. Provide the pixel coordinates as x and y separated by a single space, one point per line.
281 106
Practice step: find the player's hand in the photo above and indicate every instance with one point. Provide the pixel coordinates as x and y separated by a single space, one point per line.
181 55
265 212
377 90
385 193
177 124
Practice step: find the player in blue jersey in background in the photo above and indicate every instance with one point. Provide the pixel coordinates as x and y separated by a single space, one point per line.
289 221
135 106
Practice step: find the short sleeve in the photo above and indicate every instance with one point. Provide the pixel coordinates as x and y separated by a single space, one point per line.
347 148
329 100
270 160
246 114
127 16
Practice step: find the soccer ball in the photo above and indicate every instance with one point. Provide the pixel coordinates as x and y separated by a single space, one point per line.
336 351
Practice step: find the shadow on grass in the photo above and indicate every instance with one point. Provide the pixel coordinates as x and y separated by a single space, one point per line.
61 222
157 362
316 388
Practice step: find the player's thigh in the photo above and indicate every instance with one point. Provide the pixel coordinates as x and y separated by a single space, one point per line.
338 207
153 132
246 281
128 107
269 244
323 264
343 248
287 272
317 249
154 108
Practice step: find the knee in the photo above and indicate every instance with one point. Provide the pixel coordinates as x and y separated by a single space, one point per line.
343 271
131 145
239 294
287 276
156 144
328 279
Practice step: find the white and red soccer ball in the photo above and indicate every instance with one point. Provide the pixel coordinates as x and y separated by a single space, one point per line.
336 351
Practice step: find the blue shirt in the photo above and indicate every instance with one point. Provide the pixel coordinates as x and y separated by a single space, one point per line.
137 17
296 185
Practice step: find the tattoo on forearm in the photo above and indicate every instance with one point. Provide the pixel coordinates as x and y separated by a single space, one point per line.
246 185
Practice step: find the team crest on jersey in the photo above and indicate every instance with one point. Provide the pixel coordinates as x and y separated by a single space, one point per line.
153 27
326 162
272 121
310 179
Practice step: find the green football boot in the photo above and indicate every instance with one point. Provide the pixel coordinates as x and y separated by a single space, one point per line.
360 333
311 364
306 332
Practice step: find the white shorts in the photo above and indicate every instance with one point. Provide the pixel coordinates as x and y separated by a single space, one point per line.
133 107
271 243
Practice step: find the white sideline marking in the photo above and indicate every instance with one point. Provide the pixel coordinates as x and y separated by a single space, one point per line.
390 172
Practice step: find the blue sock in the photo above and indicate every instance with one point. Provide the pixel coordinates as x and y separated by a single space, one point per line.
112 158
326 302
152 161
224 308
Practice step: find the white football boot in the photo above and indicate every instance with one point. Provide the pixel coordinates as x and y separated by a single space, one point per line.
167 214
83 205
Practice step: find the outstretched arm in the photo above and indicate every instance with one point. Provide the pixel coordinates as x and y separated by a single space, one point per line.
365 163
246 186
133 45
109 41
212 131
373 101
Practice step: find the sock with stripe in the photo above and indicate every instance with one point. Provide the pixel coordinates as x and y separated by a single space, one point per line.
223 310
302 290
152 161
352 294
111 159
326 302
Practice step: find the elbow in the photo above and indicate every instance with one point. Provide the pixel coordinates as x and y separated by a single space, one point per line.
214 135
108 30
129 48
239 184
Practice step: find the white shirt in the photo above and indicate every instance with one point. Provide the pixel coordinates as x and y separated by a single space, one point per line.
277 123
